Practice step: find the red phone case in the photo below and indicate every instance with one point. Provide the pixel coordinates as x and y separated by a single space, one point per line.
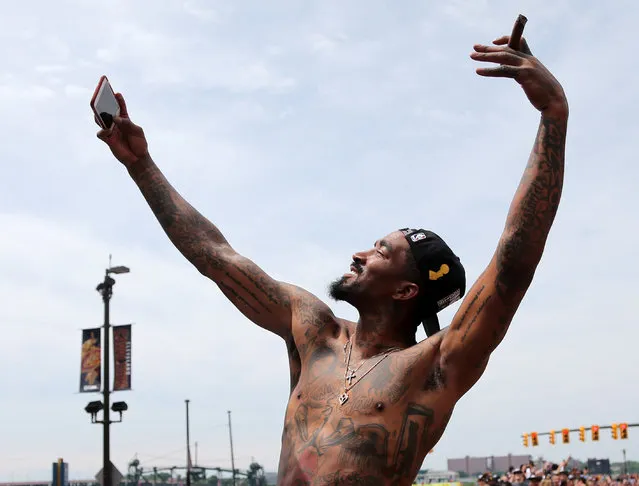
98 119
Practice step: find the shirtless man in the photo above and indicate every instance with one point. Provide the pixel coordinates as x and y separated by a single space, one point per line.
367 402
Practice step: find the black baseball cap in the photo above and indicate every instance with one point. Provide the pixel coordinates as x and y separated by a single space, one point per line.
443 276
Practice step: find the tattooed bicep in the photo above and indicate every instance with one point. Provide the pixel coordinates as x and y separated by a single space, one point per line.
262 299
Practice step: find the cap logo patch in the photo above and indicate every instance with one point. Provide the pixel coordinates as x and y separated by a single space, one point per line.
449 299
417 236
443 270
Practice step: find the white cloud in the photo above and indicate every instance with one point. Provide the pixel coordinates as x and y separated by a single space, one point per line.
200 12
74 91
29 93
321 43
305 135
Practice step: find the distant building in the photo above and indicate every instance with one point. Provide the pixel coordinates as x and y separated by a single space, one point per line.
428 477
478 465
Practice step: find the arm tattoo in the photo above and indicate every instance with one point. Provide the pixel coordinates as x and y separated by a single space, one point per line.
533 208
202 243
233 295
192 234
239 284
477 312
458 324
254 275
530 218
518 253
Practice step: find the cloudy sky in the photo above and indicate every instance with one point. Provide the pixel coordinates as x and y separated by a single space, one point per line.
305 130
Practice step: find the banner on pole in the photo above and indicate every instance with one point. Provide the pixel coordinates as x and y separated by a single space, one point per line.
122 357
91 361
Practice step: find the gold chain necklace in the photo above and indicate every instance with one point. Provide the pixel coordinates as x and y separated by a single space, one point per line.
350 374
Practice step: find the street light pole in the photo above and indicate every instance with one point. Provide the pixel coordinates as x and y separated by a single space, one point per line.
106 290
188 447
232 455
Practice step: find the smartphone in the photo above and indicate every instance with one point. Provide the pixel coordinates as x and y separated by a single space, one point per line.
104 104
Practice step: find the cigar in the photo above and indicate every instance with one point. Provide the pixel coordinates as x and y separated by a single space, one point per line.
518 30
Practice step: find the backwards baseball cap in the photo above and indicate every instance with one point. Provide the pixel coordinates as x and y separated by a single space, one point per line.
443 275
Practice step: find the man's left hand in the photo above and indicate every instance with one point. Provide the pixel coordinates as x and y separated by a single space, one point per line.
541 87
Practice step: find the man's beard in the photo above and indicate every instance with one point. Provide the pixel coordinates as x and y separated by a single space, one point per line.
341 290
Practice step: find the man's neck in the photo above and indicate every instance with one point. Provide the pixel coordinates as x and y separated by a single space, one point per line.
378 330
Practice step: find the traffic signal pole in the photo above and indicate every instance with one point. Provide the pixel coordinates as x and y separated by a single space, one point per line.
618 430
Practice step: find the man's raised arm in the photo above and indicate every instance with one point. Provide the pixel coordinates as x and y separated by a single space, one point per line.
486 312
262 299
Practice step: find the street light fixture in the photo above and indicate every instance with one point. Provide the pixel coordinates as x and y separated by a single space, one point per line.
118 270
105 288
119 407
93 408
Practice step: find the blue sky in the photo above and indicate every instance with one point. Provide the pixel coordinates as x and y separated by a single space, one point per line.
305 131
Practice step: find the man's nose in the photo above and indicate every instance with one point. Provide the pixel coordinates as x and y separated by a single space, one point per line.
359 258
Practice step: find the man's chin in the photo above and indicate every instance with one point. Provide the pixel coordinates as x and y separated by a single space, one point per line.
339 289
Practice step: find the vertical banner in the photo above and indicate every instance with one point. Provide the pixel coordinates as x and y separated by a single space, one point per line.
122 357
91 360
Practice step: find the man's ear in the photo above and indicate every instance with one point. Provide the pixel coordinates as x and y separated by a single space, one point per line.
406 291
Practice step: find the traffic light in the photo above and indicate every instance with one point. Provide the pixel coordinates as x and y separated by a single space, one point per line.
535 439
525 440
582 434
623 429
595 432
565 436
552 437
615 432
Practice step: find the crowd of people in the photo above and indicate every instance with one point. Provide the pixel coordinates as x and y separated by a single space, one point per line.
551 474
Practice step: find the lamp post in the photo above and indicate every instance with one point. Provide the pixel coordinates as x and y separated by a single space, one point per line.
106 290
188 446
231 440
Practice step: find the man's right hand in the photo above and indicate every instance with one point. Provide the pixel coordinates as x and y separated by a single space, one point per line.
125 139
